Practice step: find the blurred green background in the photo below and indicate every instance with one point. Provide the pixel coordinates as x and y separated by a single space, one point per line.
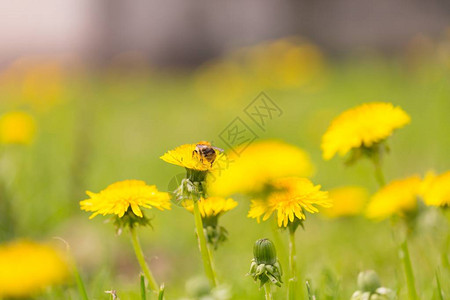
96 128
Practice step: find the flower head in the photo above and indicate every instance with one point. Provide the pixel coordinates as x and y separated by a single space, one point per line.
251 170
188 156
364 125
17 127
28 267
211 206
293 196
347 201
436 189
397 197
123 196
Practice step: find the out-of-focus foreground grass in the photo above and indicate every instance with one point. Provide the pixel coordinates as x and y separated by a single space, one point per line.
95 129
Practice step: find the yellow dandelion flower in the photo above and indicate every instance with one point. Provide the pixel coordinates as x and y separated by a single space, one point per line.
26 268
436 189
17 127
347 201
292 198
121 196
364 125
257 165
397 197
186 156
211 206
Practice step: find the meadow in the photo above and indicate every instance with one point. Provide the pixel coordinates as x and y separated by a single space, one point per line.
97 128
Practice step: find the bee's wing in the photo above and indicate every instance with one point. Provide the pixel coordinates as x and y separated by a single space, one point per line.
218 149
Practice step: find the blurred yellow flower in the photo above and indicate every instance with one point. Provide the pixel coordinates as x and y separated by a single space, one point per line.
292 197
257 165
34 82
26 268
363 125
284 63
395 198
211 206
121 196
17 127
221 82
347 201
436 189
185 156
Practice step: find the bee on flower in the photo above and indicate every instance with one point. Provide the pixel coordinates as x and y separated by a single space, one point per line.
199 160
199 157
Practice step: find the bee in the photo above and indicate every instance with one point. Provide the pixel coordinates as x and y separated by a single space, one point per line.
205 151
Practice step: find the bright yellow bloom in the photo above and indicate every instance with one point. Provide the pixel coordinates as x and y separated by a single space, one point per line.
118 197
293 196
347 201
211 206
184 156
363 125
397 197
17 127
257 165
436 189
26 268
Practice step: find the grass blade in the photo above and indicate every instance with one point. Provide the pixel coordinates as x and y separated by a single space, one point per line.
143 292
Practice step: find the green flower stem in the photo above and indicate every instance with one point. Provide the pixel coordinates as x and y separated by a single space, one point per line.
379 175
211 257
292 283
279 244
203 246
406 260
140 257
268 292
376 159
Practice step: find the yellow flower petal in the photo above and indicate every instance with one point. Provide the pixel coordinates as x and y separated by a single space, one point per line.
293 195
397 197
119 196
435 189
184 156
363 125
28 268
347 201
17 127
255 167
211 206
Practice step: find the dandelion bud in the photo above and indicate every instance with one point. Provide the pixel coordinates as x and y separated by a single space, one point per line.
264 252
265 267
368 281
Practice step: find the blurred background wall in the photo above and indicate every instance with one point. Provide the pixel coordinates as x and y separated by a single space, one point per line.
187 32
